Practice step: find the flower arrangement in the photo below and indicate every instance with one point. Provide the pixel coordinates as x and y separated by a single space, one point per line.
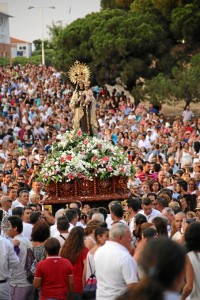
78 155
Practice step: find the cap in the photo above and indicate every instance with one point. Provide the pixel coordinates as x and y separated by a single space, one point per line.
149 130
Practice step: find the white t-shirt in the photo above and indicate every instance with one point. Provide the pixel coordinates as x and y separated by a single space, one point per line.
61 237
154 213
115 269
27 230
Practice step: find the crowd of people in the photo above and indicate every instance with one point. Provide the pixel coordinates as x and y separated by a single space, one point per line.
135 248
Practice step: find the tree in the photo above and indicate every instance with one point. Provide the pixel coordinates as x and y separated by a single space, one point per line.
110 42
124 4
185 23
165 7
183 85
108 4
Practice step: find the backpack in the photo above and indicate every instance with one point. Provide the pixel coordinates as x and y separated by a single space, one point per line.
89 290
30 265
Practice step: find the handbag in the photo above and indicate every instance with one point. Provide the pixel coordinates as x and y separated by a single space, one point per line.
29 265
89 290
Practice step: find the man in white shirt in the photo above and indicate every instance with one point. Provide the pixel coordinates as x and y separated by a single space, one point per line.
116 270
6 203
144 142
22 200
9 260
133 207
148 211
72 216
21 288
62 230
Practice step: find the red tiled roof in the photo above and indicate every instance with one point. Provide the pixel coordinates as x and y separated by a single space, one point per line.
17 41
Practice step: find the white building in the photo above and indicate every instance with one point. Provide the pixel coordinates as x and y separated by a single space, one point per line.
20 48
4 35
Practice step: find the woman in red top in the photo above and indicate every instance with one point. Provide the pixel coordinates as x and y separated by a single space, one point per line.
76 252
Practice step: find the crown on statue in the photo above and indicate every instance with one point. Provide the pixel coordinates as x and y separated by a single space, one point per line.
79 72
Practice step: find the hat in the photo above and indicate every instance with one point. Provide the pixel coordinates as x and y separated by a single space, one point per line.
198 207
149 130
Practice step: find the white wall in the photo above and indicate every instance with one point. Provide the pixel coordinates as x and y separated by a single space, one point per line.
4 29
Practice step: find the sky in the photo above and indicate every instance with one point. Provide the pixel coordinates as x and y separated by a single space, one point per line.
26 23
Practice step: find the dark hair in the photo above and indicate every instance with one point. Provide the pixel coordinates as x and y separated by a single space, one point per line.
117 210
74 244
104 212
162 201
16 222
18 211
149 233
145 289
182 184
99 231
71 214
52 246
40 232
78 211
146 201
134 204
152 194
35 216
192 237
152 183
62 223
160 225
163 260
140 219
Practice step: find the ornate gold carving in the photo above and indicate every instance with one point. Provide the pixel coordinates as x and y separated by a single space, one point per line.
79 72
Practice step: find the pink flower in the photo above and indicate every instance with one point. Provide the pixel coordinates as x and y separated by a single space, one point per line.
69 157
46 176
105 159
71 176
85 141
94 158
109 168
80 175
62 159
83 152
99 145
53 163
79 133
55 172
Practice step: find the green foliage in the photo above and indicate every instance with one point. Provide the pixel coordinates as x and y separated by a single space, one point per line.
183 85
139 39
19 61
38 44
110 42
123 4
165 7
185 23
4 61
142 6
108 4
